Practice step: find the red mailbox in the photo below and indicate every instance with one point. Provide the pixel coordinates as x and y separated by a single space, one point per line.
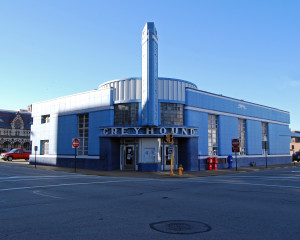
215 163
209 162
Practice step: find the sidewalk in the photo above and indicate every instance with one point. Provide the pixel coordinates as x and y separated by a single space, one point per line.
163 174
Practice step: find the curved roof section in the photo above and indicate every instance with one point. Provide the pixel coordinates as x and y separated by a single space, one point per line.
130 89
139 78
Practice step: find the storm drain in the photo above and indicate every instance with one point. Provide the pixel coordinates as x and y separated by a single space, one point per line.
180 227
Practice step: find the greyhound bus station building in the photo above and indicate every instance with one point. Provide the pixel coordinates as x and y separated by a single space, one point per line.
122 124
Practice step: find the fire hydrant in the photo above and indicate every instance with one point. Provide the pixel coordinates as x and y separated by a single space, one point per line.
180 169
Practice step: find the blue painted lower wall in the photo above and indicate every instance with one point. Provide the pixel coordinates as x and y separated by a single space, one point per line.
248 161
228 130
279 139
188 153
67 129
81 163
154 167
110 160
194 118
110 153
253 137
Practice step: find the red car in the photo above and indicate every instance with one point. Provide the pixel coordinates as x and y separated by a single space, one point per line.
16 153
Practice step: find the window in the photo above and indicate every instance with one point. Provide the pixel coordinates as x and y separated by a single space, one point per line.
7 146
126 114
45 147
212 134
264 128
171 113
26 146
45 119
18 124
242 136
83 133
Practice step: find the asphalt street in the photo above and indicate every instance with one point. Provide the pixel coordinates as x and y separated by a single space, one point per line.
48 204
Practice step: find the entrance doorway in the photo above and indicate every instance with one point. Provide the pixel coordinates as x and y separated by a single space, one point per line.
129 149
129 160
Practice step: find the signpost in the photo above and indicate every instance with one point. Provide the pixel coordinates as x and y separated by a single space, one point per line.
169 139
235 148
265 146
75 145
35 149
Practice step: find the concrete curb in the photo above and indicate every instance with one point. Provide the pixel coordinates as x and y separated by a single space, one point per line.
164 174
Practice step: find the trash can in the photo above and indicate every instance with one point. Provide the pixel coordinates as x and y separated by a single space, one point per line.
215 163
229 161
209 163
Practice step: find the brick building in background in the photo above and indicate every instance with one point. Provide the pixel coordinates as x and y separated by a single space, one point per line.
295 141
14 130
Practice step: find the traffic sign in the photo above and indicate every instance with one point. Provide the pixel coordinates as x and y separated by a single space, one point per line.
235 142
235 149
170 150
235 145
75 143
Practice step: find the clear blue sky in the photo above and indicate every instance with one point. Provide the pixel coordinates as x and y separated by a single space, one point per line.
242 49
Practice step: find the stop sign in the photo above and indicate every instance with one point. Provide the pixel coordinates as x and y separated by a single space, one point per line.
75 143
235 143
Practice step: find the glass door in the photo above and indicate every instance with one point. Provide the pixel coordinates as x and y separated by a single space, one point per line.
129 157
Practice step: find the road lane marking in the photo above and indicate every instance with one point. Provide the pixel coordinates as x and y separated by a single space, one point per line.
37 192
17 179
250 184
71 184
297 177
42 176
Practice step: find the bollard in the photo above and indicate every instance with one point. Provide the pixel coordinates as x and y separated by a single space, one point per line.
180 169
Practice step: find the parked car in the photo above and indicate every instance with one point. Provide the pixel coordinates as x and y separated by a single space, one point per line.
16 153
296 156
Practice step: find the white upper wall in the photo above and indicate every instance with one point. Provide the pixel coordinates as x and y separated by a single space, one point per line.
75 102
55 107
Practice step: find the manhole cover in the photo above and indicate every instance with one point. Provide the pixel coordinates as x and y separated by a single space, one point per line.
180 227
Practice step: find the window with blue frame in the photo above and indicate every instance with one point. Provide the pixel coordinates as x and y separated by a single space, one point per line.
242 136
264 128
212 134
45 119
83 133
126 114
44 147
172 114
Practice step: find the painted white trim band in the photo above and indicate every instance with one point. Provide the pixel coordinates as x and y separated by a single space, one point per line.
232 115
84 110
235 100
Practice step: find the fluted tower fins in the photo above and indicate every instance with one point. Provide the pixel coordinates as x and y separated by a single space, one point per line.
149 75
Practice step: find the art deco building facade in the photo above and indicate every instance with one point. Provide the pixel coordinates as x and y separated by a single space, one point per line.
121 125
